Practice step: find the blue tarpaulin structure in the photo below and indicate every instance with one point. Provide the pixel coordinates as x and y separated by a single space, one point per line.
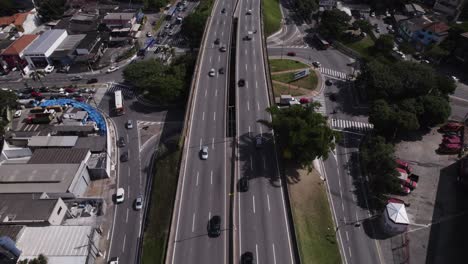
93 114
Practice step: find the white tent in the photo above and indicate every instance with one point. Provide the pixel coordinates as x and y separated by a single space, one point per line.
395 219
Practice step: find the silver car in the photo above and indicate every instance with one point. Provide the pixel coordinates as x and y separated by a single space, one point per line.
138 203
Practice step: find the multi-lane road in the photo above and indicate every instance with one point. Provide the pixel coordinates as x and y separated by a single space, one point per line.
262 221
203 184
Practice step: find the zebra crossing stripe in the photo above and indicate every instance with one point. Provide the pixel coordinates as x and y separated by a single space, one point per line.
348 124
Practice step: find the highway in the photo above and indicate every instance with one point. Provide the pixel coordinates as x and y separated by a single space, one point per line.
262 221
203 184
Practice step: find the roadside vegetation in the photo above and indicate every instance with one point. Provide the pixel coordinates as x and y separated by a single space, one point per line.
313 222
309 82
271 16
159 82
162 201
277 65
194 24
7 102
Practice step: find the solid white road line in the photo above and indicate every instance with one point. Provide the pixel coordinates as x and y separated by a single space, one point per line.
193 222
258 106
211 178
123 244
212 143
126 219
253 203
347 236
200 143
268 202
274 253
256 252
196 184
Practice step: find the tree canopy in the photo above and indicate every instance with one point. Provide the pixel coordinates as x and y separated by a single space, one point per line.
163 83
333 23
304 8
51 9
405 96
302 133
194 24
384 44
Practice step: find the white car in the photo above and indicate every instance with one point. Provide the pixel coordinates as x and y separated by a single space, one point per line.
249 12
112 69
17 113
454 78
138 203
49 68
204 153
212 72
120 195
316 64
372 14
148 34
114 260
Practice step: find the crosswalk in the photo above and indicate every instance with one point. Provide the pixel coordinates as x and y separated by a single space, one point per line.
320 98
126 91
333 73
350 125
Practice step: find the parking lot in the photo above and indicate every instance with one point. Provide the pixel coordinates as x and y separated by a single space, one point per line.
437 217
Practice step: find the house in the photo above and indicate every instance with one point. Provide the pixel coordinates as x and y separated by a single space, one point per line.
13 55
119 20
80 22
422 31
451 8
23 22
38 53
414 10
90 49
31 209
64 54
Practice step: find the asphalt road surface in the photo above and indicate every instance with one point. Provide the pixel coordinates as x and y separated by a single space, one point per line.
204 183
262 221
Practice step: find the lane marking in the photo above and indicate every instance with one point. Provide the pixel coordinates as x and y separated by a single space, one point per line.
256 253
248 106
211 178
193 222
256 84
268 202
210 59
206 92
126 219
216 92
128 191
350 255
253 203
209 215
212 143
255 67
258 106
214 116
219 59
123 244
251 163
203 116
200 143
347 236
274 253
196 184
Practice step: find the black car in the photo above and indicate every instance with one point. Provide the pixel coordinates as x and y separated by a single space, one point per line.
121 142
44 89
92 80
124 157
328 82
214 226
241 83
243 184
221 70
247 258
216 41
223 10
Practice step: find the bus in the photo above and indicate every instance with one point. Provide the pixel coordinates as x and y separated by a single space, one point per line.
119 107
322 43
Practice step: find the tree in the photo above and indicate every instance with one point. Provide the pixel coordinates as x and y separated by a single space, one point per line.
303 134
436 110
436 53
333 23
41 259
51 9
382 116
7 8
37 76
193 27
384 44
377 161
304 8
362 24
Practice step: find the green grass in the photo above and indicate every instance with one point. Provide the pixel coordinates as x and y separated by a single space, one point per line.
271 16
309 82
277 65
162 202
362 47
315 230
279 89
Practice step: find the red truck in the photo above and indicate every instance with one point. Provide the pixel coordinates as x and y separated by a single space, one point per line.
39 119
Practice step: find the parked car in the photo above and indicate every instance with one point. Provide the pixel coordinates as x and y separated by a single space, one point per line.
92 80
404 190
49 68
149 35
258 141
121 142
451 140
44 89
36 94
409 183
64 69
304 100
120 195
451 126
76 78
114 260
70 90
112 69
404 165
80 99
17 113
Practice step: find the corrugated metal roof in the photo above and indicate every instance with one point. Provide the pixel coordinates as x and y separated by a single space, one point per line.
52 141
71 41
25 207
45 41
58 156
119 16
61 244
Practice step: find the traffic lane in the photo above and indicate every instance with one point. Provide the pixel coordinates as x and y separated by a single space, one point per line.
459 107
461 91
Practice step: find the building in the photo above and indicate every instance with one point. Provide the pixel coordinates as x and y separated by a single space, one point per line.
90 49
59 171
25 22
38 53
13 56
326 5
60 244
31 209
119 20
9 253
450 8
52 142
422 31
414 10
81 22
64 54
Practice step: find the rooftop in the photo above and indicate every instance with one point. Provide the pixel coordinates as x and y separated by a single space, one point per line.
93 143
25 207
52 141
37 178
437 27
43 43
19 45
60 244
16 19
119 16
10 231
58 156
